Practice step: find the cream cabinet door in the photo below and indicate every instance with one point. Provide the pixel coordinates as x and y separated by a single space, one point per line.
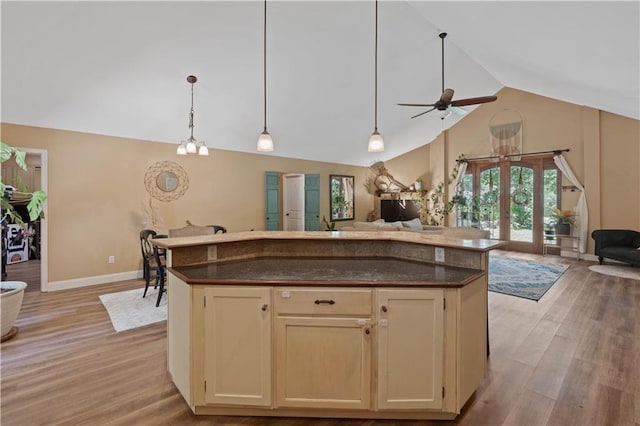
323 362
237 346
410 348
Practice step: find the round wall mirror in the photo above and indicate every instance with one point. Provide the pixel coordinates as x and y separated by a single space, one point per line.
166 181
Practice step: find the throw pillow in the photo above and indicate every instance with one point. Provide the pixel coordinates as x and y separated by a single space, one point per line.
413 224
397 225
374 226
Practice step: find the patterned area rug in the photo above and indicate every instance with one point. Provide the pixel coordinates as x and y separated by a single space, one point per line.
127 309
617 271
522 278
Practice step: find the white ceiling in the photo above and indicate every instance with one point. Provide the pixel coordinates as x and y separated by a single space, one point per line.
119 68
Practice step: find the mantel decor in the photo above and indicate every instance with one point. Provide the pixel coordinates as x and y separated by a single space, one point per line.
166 181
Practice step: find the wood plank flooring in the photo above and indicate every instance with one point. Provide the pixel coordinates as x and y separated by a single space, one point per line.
573 358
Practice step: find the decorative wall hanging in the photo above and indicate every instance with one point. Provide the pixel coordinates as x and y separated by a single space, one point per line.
166 181
505 134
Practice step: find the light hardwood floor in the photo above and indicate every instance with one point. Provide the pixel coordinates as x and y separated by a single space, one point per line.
571 359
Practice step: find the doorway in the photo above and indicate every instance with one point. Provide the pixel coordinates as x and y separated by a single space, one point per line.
512 199
293 202
35 270
274 194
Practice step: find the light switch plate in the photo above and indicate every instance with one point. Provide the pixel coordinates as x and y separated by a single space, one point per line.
439 254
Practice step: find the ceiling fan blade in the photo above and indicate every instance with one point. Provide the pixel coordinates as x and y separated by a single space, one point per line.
418 105
446 97
457 110
422 113
474 101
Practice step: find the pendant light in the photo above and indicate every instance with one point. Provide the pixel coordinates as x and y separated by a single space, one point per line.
191 145
265 143
376 144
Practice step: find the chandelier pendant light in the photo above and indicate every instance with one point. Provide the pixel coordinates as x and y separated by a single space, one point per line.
191 145
376 144
265 143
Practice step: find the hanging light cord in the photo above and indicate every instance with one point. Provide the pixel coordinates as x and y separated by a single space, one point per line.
191 114
442 36
375 103
264 65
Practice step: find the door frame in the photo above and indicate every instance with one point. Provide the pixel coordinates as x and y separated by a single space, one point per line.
286 191
539 163
44 245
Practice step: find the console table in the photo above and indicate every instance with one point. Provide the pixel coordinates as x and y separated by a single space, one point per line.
327 324
555 240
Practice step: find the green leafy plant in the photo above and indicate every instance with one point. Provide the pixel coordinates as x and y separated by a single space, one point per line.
563 216
35 205
436 208
330 226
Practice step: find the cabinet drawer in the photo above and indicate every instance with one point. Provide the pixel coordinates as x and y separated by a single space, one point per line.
291 301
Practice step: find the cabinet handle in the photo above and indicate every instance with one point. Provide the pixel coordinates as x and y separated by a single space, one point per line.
367 331
384 308
328 302
264 308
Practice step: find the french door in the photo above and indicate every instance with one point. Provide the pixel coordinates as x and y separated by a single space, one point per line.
512 199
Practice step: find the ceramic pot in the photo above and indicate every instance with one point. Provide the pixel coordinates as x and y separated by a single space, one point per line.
563 229
10 304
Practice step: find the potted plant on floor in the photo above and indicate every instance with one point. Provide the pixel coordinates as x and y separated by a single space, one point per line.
12 292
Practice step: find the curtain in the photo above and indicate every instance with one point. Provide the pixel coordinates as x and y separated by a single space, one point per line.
582 219
462 169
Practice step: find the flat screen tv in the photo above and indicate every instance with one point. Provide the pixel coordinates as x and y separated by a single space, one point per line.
394 210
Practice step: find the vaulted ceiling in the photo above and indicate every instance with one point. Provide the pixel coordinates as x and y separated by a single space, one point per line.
120 68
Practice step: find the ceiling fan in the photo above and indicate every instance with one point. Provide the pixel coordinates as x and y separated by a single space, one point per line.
446 102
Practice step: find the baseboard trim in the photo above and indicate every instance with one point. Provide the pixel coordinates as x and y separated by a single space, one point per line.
94 280
574 255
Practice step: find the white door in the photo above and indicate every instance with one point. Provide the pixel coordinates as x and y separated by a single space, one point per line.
293 202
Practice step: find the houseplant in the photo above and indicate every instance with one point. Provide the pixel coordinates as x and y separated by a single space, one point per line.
12 292
563 221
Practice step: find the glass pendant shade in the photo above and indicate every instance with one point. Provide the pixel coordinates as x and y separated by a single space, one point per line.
203 150
376 144
265 143
192 148
182 149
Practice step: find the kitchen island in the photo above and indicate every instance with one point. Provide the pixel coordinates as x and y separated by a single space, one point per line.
327 324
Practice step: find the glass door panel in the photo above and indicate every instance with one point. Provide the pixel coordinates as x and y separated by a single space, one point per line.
521 204
488 204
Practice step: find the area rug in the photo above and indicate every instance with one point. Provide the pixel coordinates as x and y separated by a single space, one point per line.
617 271
127 309
522 278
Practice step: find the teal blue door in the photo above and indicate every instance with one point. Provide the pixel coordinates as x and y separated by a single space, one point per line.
312 202
272 201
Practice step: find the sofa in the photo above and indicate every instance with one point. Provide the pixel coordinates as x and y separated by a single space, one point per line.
414 225
618 244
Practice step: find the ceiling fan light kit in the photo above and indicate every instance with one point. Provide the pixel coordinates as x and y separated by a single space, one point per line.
191 145
446 104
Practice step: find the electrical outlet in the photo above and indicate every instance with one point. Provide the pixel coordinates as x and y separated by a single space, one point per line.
439 254
112 259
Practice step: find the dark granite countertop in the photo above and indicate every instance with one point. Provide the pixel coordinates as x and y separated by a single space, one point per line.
338 271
